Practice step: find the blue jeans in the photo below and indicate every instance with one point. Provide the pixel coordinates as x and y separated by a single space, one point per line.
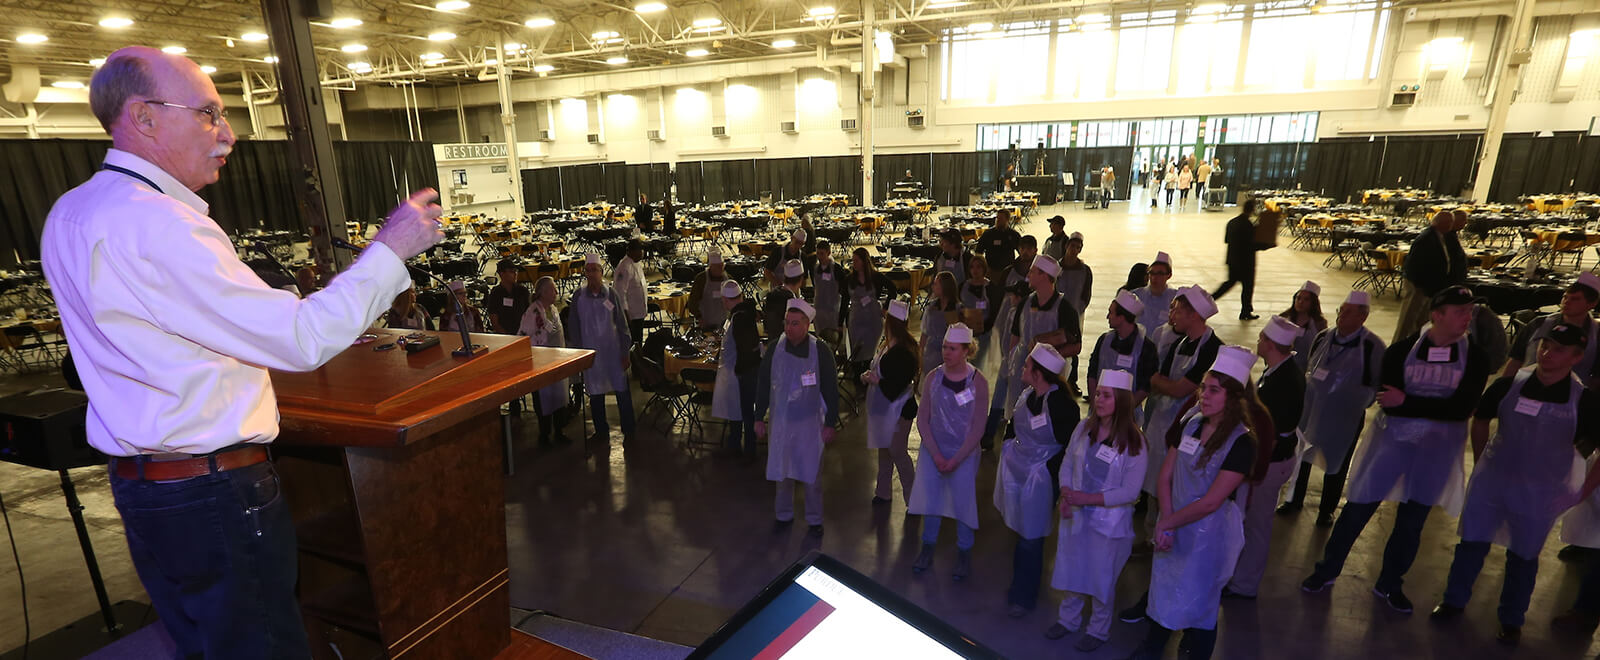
742 435
930 532
1027 568
217 555
1514 592
1398 553
597 411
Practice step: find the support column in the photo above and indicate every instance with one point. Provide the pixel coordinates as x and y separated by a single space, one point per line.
508 122
318 189
864 109
250 102
1505 88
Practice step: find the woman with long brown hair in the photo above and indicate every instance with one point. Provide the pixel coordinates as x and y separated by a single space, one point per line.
1306 313
944 308
1201 529
891 404
1100 480
867 291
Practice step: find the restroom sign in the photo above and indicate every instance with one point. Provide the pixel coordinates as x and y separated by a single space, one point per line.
474 150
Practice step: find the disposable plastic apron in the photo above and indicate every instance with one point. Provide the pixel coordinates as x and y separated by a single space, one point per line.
1109 358
1581 525
1408 458
598 316
1023 490
725 398
1543 328
883 415
1093 546
952 264
1186 582
1034 322
866 320
1336 401
794 434
1529 464
953 495
1161 412
711 310
1154 317
1302 344
1071 283
825 288
554 396
934 322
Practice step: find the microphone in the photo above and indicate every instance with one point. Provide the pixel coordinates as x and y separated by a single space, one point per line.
468 349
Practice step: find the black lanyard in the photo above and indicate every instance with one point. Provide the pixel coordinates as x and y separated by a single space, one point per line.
136 175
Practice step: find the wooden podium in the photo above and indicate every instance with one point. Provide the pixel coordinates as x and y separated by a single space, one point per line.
392 465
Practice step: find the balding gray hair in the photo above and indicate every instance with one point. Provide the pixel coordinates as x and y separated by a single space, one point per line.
114 83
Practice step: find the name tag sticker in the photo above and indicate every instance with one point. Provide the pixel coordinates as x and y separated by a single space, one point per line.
827 276
866 301
983 304
1124 361
1189 445
1038 421
1528 406
608 305
1105 453
1439 354
1320 374
507 302
808 379
964 397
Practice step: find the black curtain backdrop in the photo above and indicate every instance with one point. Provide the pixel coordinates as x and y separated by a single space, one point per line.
954 177
1085 162
541 189
689 177
783 178
254 191
1340 168
1529 165
891 168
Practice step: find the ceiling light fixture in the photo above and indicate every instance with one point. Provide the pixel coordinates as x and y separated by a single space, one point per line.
31 38
452 5
539 22
543 68
491 62
707 22
617 59
96 62
980 27
270 59
353 48
697 52
344 23
441 36
946 4
821 12
254 36
115 22
359 67
650 7
604 35
432 56
174 50
513 48
207 69
67 84
783 43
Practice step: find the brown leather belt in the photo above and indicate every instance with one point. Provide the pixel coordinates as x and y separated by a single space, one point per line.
150 468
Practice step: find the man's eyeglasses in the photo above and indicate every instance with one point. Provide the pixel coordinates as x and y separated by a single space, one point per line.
218 116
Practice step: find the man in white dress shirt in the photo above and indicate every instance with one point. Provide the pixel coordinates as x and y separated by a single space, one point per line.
172 337
629 282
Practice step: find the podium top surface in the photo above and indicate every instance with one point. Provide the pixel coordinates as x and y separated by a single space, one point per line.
369 397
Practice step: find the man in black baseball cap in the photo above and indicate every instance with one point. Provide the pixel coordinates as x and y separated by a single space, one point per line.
1055 244
1524 481
507 301
1576 306
1430 383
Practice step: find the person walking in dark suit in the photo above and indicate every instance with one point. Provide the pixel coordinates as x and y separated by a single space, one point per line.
1240 236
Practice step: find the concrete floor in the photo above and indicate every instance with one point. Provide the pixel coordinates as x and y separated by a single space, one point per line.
645 536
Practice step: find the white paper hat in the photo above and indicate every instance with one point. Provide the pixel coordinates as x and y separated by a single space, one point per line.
899 309
793 268
1075 236
730 289
798 235
1313 287
591 258
796 304
1130 302
714 256
1200 300
1162 258
1281 331
1358 298
1589 280
1047 357
1234 362
1047 264
457 285
1117 380
958 334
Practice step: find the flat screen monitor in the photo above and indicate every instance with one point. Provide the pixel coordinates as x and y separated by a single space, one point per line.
820 609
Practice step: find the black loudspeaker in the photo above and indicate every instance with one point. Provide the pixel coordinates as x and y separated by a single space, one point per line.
45 429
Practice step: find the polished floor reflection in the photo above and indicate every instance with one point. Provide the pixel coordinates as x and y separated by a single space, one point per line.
649 536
